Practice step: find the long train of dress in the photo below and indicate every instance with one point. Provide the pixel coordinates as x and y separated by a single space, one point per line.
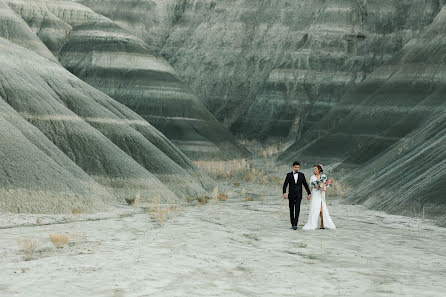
314 219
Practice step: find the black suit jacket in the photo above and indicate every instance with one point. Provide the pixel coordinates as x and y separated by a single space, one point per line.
295 191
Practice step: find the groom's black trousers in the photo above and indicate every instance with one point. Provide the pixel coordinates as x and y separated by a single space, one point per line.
294 204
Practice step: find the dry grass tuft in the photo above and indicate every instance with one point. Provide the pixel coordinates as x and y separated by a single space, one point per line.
77 211
134 201
59 240
219 196
237 184
202 200
255 175
222 196
249 198
220 169
157 211
27 247
337 189
161 212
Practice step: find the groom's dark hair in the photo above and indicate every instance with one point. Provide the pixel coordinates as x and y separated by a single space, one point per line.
296 163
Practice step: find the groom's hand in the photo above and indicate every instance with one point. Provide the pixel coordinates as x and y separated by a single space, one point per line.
309 197
285 196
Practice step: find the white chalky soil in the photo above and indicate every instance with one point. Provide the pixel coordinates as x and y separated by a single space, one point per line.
231 248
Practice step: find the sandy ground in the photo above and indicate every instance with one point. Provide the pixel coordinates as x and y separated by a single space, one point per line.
227 248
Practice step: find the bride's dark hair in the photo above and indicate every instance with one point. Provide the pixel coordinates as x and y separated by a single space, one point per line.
319 167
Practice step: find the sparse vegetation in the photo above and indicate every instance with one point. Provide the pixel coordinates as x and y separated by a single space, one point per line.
202 200
27 247
157 211
59 240
76 211
221 169
134 201
337 189
161 212
219 196
245 197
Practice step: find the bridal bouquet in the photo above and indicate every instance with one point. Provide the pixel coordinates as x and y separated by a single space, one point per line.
323 182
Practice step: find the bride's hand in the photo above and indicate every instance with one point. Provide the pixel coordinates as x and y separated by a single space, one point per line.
309 197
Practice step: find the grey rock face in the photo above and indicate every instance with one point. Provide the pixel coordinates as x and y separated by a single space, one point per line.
110 146
16 30
35 176
112 60
272 68
390 130
78 119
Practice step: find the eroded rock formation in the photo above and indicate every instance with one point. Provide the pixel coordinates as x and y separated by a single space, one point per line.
272 68
103 151
123 66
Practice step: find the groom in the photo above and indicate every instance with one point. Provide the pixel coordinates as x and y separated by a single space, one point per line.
295 179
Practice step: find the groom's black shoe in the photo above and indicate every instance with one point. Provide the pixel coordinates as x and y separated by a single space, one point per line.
294 227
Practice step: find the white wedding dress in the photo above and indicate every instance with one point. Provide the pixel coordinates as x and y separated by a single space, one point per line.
314 219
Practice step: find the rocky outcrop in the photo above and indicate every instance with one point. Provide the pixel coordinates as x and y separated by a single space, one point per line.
110 59
272 68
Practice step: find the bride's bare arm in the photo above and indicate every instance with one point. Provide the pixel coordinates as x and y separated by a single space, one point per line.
306 186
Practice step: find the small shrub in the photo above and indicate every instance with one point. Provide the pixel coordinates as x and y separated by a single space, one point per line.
76 211
337 189
202 200
27 247
59 240
157 212
134 201
219 196
222 196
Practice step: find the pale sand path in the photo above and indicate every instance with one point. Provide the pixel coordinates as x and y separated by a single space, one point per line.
232 248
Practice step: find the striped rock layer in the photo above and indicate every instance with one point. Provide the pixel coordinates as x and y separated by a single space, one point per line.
124 67
66 145
354 82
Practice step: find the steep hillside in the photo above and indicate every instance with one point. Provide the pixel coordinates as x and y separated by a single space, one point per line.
272 68
389 132
121 65
110 146
35 176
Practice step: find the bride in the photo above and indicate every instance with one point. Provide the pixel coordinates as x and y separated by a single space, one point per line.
318 216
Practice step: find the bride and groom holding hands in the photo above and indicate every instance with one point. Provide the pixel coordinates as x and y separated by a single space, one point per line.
318 217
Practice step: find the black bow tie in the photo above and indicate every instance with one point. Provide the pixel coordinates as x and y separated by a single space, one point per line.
295 172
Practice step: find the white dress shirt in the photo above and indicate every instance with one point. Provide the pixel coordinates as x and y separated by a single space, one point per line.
296 176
